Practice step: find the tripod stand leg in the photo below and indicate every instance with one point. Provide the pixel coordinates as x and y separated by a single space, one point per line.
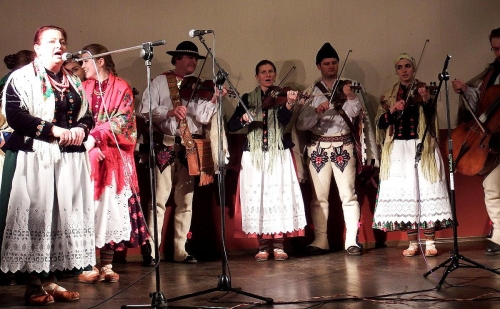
479 265
454 264
224 285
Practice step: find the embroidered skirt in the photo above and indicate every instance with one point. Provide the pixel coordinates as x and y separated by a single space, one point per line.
119 221
50 215
397 205
271 200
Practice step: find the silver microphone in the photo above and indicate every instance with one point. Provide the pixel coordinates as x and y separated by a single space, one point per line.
68 56
194 33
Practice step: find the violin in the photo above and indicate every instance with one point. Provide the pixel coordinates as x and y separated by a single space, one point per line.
277 96
339 97
193 87
416 97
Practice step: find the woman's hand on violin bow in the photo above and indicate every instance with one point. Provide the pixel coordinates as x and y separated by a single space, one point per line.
216 93
398 106
245 119
179 112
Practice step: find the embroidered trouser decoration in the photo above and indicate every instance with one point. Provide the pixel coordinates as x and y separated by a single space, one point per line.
165 155
340 157
319 158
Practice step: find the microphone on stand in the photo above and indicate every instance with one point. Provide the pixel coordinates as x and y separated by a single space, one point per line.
67 56
194 33
156 43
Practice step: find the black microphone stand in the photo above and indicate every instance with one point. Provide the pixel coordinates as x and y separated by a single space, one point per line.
224 281
453 262
158 299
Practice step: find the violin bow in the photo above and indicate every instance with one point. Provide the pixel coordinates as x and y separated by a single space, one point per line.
282 81
273 92
197 81
408 94
337 82
334 88
469 107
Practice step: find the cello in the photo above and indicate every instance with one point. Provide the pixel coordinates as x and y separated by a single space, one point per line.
472 151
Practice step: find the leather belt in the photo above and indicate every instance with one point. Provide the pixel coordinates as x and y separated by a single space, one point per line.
332 139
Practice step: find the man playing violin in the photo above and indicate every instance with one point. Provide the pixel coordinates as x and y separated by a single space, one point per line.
409 200
331 150
473 91
169 111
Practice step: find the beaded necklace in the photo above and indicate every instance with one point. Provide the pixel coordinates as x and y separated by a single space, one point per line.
61 87
62 95
97 98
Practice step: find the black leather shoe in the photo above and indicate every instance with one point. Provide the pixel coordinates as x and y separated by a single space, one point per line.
354 250
492 248
189 260
313 250
148 261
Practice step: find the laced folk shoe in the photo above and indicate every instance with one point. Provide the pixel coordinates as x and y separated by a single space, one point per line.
430 248
60 294
262 255
280 255
89 276
35 295
412 250
108 275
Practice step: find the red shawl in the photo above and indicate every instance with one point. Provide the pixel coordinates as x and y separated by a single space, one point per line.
119 102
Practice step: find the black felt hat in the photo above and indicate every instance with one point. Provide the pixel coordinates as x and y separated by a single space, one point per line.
186 48
326 51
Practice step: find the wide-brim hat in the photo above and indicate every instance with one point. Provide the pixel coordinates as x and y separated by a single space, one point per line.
186 48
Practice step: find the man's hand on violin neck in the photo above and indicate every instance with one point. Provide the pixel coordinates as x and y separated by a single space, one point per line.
217 93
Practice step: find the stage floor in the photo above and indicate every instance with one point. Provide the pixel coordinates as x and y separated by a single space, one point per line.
380 278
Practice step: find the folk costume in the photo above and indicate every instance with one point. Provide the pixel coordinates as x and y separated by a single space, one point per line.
398 207
270 204
3 123
331 152
119 220
46 187
476 88
171 165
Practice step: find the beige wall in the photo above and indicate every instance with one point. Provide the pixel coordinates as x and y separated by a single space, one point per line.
287 32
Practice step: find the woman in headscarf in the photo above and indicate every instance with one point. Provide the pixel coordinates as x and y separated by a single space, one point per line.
410 200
